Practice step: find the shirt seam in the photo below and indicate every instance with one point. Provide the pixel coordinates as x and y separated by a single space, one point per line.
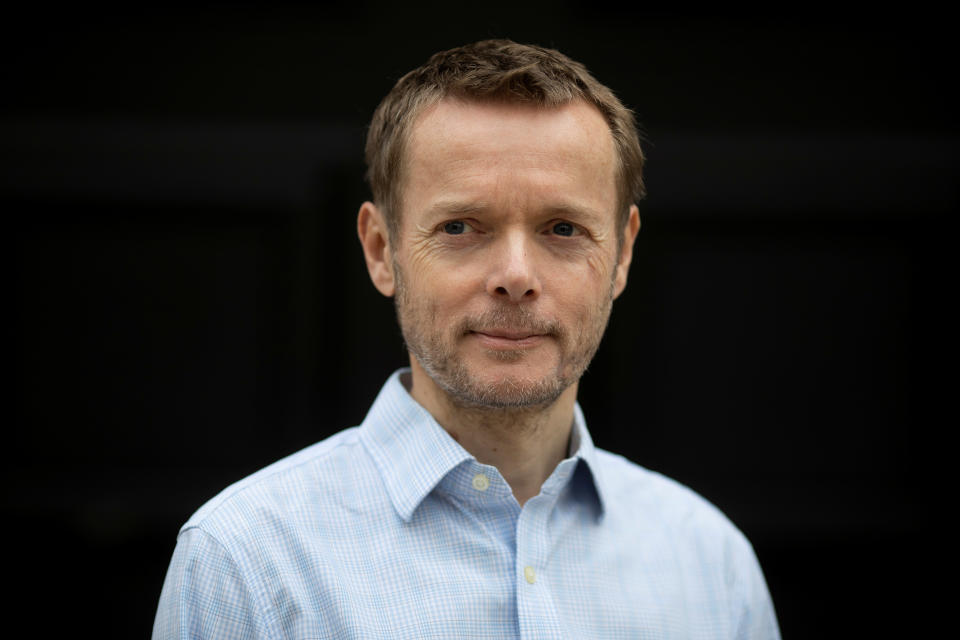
249 483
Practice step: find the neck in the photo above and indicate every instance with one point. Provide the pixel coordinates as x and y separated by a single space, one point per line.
524 443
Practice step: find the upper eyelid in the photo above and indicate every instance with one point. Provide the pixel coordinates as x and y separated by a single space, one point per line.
576 227
473 225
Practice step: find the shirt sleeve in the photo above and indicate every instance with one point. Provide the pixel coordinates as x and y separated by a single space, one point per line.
204 595
757 619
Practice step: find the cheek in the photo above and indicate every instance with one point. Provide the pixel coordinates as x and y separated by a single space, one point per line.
600 265
437 301
449 288
588 279
583 298
435 265
591 264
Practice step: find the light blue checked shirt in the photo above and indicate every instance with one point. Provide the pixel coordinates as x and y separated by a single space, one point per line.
392 530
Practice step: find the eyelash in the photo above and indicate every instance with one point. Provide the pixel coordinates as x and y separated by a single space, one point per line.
574 230
467 225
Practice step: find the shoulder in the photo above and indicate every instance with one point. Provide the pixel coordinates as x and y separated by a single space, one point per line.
267 541
292 487
639 493
666 520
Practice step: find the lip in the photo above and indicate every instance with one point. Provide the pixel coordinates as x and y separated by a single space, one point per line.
505 340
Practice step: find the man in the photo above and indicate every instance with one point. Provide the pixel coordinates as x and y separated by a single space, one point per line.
471 502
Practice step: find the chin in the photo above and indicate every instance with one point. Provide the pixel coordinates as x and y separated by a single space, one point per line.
495 388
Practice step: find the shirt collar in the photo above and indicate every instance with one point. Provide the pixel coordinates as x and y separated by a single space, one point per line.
581 446
414 453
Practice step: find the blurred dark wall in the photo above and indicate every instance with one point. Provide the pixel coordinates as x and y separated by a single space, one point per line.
190 303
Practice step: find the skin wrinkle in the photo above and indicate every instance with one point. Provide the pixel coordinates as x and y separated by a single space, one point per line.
503 312
448 165
439 360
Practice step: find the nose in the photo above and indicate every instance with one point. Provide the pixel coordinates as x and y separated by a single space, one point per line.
513 275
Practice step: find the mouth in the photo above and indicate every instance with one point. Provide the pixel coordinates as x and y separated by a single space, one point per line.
507 339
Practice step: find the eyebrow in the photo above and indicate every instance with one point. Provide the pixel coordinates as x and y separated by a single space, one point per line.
456 208
459 208
574 211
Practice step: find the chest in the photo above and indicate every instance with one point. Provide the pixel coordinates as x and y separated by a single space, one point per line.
459 577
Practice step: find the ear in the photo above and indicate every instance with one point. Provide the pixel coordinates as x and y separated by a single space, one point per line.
626 250
375 240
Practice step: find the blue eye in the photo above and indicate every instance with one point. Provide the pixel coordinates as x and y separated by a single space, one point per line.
564 229
455 227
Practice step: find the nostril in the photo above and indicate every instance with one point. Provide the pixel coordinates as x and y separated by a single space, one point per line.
502 290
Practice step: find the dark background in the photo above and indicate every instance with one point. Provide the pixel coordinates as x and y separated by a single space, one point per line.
189 302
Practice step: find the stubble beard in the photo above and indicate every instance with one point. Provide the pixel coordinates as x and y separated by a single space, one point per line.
435 350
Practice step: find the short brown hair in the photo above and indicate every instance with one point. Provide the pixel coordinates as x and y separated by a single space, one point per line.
495 70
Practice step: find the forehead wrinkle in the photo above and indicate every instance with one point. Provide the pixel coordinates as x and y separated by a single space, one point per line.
522 187
456 208
449 160
453 132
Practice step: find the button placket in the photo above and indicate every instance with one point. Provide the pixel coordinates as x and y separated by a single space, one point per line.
532 528
538 617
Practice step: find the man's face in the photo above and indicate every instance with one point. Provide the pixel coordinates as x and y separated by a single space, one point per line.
506 262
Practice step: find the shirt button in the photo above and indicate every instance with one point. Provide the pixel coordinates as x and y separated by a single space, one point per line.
481 482
530 574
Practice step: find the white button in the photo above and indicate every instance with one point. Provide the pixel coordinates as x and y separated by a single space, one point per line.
481 482
530 574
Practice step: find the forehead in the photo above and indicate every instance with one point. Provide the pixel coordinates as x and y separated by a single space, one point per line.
465 145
